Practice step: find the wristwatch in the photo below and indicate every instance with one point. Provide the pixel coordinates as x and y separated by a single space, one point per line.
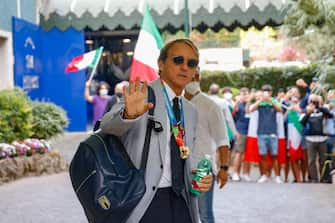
224 167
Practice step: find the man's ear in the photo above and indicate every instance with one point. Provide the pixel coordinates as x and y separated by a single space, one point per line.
160 66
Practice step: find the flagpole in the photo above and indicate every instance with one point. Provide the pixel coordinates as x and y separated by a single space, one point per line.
95 67
186 19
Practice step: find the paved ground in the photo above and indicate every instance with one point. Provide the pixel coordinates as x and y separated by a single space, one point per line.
50 199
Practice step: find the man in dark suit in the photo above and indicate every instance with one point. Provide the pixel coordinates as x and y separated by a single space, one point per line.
168 171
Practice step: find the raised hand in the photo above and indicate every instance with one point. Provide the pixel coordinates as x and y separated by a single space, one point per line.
135 99
300 82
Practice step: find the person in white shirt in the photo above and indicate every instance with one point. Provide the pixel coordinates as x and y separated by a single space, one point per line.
228 118
211 139
213 94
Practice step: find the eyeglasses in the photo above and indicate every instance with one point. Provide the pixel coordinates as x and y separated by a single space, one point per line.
191 63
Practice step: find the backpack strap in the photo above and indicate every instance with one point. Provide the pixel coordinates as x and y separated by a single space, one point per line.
98 139
150 125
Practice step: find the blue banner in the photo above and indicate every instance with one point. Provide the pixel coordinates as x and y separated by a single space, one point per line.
27 46
40 60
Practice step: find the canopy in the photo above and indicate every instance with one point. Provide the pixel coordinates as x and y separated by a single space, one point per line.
168 14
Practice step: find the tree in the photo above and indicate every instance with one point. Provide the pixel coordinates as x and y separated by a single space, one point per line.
311 25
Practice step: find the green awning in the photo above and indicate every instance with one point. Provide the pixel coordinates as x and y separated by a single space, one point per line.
168 14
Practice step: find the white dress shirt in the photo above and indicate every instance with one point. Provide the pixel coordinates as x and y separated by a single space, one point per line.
211 129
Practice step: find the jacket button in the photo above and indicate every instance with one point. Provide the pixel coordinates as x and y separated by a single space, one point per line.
153 188
161 166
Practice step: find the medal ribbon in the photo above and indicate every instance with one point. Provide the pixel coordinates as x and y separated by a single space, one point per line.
176 128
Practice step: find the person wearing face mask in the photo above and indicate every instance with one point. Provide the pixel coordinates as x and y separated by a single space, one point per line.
211 130
313 121
99 100
228 97
117 95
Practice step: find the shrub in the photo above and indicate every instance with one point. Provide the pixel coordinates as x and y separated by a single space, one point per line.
256 77
48 120
15 115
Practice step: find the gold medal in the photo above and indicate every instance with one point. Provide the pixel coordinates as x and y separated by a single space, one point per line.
184 152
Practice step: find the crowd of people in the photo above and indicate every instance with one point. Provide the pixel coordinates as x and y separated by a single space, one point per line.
287 131
253 127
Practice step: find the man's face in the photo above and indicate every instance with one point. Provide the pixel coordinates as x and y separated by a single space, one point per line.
295 92
244 95
281 94
314 100
178 69
267 93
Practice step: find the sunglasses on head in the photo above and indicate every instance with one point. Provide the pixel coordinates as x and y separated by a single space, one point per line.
191 63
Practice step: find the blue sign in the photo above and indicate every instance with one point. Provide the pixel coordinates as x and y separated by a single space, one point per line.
40 60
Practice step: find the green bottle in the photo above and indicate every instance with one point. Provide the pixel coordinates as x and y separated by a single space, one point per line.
203 169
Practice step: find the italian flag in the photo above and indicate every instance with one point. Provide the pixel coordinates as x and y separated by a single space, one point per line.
294 135
90 59
149 43
251 151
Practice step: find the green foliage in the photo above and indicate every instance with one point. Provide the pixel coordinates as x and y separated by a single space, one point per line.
312 22
305 14
20 118
326 75
15 115
210 38
48 120
256 77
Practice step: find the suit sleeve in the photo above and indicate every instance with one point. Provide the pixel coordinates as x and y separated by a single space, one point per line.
113 123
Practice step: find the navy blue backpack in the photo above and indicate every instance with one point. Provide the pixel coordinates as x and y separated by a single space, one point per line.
105 180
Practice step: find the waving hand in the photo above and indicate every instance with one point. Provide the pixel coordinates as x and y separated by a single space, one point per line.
135 99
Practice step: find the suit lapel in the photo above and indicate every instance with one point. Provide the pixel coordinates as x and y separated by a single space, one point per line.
161 116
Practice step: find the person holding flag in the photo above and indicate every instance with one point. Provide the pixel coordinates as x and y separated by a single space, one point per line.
98 100
294 137
91 60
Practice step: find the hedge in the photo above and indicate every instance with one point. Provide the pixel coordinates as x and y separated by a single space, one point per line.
278 77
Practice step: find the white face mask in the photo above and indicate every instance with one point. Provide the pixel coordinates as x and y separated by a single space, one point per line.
193 87
103 92
228 96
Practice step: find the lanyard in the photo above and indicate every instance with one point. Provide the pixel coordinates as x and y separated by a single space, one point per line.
172 117
177 129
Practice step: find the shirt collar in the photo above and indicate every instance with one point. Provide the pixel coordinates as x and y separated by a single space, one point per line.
171 93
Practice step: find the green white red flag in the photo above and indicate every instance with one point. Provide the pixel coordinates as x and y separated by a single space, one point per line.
251 149
90 59
294 135
149 43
